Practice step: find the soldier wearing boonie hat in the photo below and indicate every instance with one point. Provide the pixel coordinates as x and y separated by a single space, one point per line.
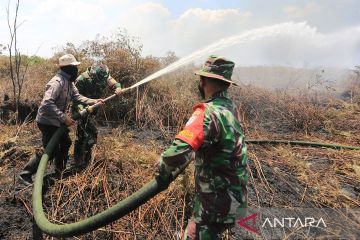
59 91
214 135
218 68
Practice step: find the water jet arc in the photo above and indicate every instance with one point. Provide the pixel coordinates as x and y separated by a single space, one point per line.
157 185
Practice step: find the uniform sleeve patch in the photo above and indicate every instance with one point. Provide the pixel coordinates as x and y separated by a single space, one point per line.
186 134
193 132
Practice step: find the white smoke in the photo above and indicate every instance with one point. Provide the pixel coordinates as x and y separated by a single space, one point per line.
295 44
300 45
287 43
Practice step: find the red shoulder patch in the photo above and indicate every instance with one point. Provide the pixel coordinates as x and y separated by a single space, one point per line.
193 132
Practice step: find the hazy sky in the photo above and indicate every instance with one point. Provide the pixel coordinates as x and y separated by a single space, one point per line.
311 33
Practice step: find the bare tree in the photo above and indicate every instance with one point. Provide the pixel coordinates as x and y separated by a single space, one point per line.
17 68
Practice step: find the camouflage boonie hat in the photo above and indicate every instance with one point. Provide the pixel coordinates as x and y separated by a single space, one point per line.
217 67
99 71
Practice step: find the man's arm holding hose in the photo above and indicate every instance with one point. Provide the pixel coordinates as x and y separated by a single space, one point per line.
175 156
84 100
200 130
114 85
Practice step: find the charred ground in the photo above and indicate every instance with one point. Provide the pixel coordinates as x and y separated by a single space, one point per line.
280 176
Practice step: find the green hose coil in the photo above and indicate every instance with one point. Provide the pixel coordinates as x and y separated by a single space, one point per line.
125 206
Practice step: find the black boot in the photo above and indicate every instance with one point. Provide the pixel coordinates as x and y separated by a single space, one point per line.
30 168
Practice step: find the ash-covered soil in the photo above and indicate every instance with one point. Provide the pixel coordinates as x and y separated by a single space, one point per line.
280 176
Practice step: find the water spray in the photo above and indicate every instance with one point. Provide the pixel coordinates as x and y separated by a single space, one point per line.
157 185
252 35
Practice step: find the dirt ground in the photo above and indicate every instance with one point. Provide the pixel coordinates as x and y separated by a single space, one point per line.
280 176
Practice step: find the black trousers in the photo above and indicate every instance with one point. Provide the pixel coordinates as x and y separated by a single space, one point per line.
60 153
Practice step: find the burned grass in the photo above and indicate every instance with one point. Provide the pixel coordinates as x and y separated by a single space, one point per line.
121 168
310 177
281 176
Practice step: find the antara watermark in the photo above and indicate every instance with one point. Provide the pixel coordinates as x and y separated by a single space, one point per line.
291 222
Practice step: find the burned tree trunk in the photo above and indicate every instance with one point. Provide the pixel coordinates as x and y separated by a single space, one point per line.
27 110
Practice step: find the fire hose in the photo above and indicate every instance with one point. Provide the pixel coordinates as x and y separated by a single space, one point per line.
117 211
128 204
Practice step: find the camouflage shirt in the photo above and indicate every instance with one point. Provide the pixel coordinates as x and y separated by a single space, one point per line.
94 88
214 133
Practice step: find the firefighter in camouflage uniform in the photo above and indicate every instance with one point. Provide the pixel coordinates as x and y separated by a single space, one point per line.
92 83
214 135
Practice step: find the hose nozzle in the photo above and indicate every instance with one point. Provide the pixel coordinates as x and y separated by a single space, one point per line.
86 111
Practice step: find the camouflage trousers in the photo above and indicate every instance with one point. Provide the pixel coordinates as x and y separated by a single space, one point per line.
214 212
205 231
86 138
